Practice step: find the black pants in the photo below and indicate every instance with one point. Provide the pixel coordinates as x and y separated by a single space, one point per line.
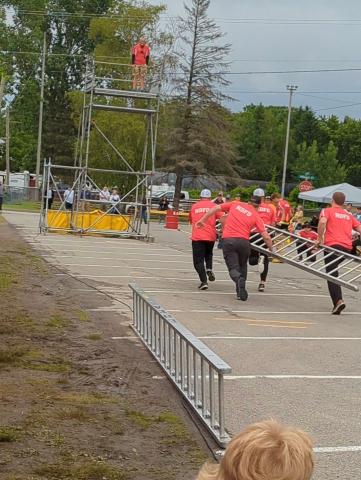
1 203
333 288
202 258
310 254
236 252
253 260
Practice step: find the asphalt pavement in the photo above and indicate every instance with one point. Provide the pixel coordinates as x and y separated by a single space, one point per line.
291 359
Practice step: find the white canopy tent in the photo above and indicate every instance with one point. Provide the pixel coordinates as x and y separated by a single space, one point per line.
324 195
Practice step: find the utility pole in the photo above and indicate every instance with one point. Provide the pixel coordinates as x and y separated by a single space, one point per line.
292 89
41 111
7 147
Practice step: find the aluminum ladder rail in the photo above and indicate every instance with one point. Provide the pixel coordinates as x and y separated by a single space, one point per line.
288 246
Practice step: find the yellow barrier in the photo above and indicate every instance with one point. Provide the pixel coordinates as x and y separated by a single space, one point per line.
95 220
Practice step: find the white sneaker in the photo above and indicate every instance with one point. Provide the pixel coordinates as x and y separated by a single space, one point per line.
261 264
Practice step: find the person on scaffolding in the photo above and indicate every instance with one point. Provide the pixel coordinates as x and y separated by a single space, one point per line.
140 62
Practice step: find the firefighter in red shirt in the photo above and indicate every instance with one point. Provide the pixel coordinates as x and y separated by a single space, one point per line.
242 218
335 230
140 62
203 239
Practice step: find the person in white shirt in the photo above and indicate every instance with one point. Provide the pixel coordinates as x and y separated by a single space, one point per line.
69 198
114 200
48 198
104 197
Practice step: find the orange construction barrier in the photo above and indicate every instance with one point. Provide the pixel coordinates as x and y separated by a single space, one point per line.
172 220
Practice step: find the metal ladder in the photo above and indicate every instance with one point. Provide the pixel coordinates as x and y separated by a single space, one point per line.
289 245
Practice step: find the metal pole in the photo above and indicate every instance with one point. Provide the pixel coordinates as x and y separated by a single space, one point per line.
41 112
7 147
291 89
2 88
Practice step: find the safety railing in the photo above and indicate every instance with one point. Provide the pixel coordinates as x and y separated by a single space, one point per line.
196 371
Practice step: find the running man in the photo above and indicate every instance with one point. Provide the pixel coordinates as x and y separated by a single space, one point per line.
268 215
140 62
335 230
241 220
203 239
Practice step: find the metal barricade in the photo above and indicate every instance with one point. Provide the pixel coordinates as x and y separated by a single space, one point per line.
196 371
326 262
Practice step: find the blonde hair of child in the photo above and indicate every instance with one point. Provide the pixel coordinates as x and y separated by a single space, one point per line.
264 451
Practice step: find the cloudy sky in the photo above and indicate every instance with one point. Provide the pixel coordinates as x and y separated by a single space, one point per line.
284 35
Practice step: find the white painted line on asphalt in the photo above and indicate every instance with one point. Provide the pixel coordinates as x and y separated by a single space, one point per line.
275 326
210 337
232 293
164 254
355 448
123 338
115 257
290 377
105 309
84 247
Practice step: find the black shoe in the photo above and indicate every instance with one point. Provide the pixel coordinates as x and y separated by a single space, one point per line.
203 286
337 309
261 287
241 290
211 276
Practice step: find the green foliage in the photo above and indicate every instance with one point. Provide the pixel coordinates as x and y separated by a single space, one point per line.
194 194
272 186
293 195
244 193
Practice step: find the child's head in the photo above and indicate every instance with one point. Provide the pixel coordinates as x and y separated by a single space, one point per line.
264 451
115 191
307 226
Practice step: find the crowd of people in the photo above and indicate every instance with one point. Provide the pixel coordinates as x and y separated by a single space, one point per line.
336 227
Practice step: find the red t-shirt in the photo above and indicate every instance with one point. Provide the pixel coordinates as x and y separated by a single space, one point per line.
267 213
242 219
141 52
208 232
339 227
308 235
284 211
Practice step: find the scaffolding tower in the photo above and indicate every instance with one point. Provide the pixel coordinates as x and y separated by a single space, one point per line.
84 211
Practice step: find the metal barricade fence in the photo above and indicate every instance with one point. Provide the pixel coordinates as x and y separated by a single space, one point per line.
196 371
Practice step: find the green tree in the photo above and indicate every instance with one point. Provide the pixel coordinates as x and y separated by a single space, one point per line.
201 137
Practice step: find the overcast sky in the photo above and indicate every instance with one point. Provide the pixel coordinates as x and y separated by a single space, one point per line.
292 35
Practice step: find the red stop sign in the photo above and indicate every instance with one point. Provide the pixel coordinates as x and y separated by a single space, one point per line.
305 186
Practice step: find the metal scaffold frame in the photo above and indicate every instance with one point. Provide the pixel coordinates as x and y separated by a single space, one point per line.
100 94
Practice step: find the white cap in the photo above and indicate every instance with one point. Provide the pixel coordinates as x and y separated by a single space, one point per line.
259 192
206 193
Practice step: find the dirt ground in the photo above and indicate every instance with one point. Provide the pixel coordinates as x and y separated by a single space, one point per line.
75 404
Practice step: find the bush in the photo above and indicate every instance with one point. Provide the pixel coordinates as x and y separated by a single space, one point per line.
244 193
293 195
194 194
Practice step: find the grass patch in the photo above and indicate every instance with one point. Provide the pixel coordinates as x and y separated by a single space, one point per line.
57 322
52 367
87 399
23 206
9 434
11 355
141 419
94 336
14 323
84 471
80 414
6 280
82 316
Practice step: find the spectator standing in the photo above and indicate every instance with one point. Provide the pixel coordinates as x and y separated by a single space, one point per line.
48 198
1 195
104 197
297 220
203 238
358 214
163 207
114 200
264 451
144 211
242 219
335 230
219 199
69 198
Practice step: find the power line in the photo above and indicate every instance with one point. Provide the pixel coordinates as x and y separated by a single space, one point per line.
336 108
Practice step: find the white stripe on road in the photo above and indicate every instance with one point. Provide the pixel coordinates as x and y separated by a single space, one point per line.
258 313
164 254
289 377
280 338
232 293
114 258
355 448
